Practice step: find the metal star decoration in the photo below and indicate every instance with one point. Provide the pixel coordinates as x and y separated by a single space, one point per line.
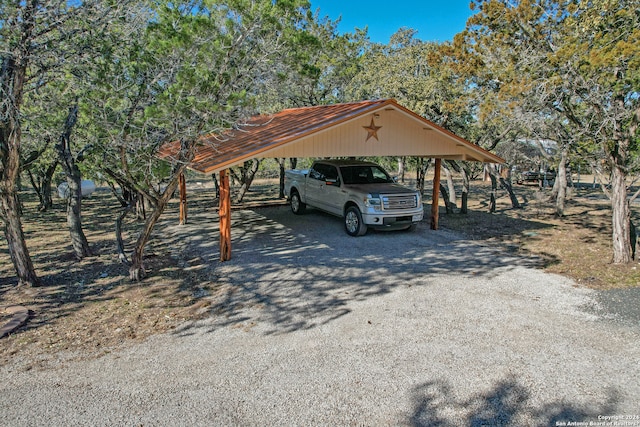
372 130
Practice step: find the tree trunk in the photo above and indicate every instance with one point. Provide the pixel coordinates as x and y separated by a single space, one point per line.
137 271
122 197
13 68
506 184
234 179
10 209
37 186
74 217
41 184
445 199
465 190
216 184
74 198
421 173
281 163
47 179
451 198
560 186
140 202
401 168
619 154
620 217
122 256
15 238
435 216
494 189
633 239
248 174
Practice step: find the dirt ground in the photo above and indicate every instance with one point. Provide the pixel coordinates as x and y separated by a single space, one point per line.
90 307
577 245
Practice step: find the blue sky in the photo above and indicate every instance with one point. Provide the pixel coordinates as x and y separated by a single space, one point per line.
434 20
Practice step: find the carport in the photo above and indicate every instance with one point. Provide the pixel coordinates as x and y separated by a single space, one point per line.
359 129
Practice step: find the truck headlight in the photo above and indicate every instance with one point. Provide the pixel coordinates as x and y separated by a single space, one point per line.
373 202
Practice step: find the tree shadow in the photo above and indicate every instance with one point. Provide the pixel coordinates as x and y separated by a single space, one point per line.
288 272
478 224
507 403
97 285
595 217
291 272
65 290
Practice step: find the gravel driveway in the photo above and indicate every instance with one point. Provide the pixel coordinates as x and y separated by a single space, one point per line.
312 327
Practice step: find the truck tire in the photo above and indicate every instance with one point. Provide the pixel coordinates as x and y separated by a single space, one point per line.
297 207
353 224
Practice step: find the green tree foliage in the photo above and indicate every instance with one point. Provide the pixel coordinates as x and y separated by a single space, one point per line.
316 67
563 70
601 58
37 37
189 69
413 72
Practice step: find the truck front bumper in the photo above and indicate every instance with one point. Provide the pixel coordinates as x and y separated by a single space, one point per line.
396 220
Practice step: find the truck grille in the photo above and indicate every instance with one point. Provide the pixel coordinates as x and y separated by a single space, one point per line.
399 202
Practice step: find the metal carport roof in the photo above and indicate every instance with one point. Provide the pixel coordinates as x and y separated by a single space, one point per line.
359 129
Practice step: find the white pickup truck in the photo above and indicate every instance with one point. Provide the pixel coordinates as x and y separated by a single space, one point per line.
360 192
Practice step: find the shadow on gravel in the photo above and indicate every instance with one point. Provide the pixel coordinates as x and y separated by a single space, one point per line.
292 273
623 305
506 404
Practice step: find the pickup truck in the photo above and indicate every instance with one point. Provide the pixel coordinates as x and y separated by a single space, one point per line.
360 192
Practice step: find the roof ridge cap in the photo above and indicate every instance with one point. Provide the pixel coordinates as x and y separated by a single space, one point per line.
366 101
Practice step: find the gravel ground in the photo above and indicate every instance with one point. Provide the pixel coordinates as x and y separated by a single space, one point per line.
312 327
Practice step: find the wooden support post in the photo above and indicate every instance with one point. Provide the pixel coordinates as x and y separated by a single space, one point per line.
435 195
182 184
225 217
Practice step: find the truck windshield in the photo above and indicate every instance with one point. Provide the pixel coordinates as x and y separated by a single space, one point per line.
364 174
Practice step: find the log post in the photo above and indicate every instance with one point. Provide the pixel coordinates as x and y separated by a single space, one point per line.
436 195
225 217
182 184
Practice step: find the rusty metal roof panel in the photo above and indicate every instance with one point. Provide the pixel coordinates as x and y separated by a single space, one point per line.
264 133
261 133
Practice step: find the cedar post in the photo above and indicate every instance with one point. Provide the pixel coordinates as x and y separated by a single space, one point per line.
435 195
225 217
182 184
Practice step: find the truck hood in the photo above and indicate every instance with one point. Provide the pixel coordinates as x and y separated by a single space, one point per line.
374 189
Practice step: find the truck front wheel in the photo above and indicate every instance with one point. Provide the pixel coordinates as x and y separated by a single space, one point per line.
297 207
353 222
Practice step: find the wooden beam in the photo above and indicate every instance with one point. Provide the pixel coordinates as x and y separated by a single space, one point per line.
182 184
225 217
435 195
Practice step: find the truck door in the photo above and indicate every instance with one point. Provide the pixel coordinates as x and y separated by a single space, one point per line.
315 181
332 195
323 188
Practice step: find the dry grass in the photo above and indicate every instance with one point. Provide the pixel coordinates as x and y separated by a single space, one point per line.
90 307
577 245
